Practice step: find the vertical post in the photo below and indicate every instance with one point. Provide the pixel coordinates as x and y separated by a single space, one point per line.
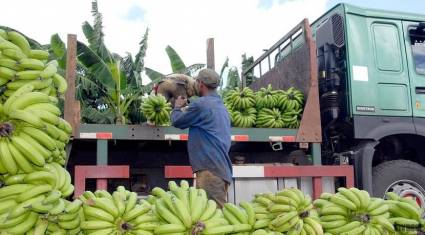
102 152
316 152
102 159
261 72
270 64
210 54
71 106
317 187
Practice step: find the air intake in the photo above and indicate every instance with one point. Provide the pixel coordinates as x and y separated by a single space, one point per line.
331 32
338 30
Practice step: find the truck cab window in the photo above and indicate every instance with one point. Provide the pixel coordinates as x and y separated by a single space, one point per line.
417 39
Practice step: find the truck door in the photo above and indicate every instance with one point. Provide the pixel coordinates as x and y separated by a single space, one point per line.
415 53
379 77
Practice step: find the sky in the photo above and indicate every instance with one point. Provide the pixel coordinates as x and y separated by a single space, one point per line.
237 26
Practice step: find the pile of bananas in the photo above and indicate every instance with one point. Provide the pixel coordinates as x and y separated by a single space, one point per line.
20 65
405 214
156 109
354 211
266 108
288 211
117 213
33 137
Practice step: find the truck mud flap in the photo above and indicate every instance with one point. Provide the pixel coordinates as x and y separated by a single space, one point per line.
363 157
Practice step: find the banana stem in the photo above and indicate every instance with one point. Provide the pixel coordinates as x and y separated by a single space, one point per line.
304 214
6 129
198 228
125 226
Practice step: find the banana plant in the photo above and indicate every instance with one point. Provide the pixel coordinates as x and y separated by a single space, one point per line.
108 86
246 62
177 66
223 68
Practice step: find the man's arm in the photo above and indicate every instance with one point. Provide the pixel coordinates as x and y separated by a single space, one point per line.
184 119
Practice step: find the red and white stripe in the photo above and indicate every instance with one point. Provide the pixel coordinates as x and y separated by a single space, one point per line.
176 136
289 138
184 137
235 138
240 138
96 135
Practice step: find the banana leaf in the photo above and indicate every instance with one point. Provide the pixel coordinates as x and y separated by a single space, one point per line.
58 49
177 64
95 65
153 74
192 69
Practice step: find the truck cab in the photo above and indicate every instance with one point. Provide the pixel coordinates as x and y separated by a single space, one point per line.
367 67
371 72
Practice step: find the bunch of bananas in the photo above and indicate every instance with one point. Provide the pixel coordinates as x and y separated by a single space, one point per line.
34 205
271 118
57 215
51 175
292 118
116 213
244 117
353 211
291 99
288 211
241 218
20 65
156 109
240 99
267 97
186 209
405 213
31 132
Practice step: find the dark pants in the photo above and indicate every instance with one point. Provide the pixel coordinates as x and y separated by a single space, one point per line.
215 187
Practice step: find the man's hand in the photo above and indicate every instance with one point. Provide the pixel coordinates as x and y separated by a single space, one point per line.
180 102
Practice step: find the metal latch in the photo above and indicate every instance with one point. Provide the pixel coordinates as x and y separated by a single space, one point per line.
276 146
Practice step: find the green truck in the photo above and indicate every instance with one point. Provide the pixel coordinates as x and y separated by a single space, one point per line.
363 74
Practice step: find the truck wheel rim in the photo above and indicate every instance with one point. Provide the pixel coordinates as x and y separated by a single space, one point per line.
408 188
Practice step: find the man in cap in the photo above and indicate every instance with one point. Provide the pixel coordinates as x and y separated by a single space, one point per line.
209 136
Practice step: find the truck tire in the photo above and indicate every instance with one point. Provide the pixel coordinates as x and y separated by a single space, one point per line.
406 178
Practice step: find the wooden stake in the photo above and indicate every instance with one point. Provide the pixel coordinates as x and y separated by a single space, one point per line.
210 53
71 106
